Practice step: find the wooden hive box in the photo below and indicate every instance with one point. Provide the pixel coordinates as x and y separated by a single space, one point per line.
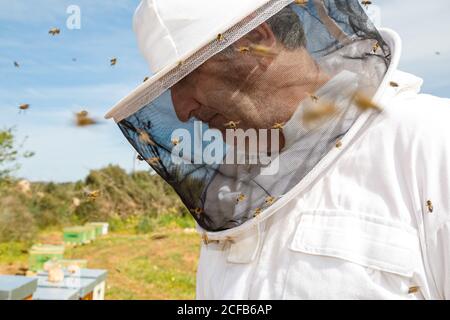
75 236
17 288
40 254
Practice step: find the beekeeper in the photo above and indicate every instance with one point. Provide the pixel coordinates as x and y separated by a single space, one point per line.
359 204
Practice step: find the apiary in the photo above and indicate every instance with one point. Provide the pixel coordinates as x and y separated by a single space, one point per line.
40 254
17 288
75 236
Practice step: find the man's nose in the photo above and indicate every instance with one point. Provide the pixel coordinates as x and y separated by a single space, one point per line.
184 102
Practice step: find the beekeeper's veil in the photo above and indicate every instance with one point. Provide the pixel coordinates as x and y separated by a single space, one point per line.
248 96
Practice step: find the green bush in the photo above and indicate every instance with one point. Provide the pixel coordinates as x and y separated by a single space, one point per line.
16 222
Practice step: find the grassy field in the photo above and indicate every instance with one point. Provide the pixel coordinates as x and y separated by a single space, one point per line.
157 265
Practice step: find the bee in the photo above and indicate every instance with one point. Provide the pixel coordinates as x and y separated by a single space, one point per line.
82 119
262 50
393 84
24 107
232 125
257 212
145 138
430 206
92 195
220 37
375 48
270 201
319 112
414 289
16 64
74 59
113 61
205 239
438 53
314 98
145 79
338 144
153 161
180 63
279 126
366 3
54 31
139 157
197 211
176 141
243 49
365 103
241 198
301 3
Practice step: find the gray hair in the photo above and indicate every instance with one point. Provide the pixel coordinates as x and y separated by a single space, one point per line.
288 28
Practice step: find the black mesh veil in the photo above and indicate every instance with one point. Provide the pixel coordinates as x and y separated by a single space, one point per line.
292 79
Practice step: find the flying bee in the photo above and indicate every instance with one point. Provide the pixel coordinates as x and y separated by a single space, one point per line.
318 112
301 3
144 137
393 84
257 212
54 31
232 125
243 49
176 141
365 103
375 48
24 107
430 206
92 195
16 64
261 50
145 79
279 126
153 161
270 200
113 61
139 157
366 3
241 198
82 119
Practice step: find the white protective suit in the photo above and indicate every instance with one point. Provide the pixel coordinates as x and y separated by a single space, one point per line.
359 226
363 217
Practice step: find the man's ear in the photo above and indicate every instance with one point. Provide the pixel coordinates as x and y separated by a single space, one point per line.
262 43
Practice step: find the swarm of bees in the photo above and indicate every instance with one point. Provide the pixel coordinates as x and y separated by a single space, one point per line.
232 125
54 31
82 119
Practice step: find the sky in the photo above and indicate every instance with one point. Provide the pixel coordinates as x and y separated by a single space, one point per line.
70 72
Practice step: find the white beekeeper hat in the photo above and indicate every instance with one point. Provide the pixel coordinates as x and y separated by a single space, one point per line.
169 32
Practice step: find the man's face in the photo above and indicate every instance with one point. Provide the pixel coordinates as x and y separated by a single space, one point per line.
223 90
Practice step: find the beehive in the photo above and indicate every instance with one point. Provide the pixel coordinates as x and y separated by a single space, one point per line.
103 226
98 228
17 288
91 233
75 236
40 254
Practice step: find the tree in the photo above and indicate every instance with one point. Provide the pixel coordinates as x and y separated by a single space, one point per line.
9 154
